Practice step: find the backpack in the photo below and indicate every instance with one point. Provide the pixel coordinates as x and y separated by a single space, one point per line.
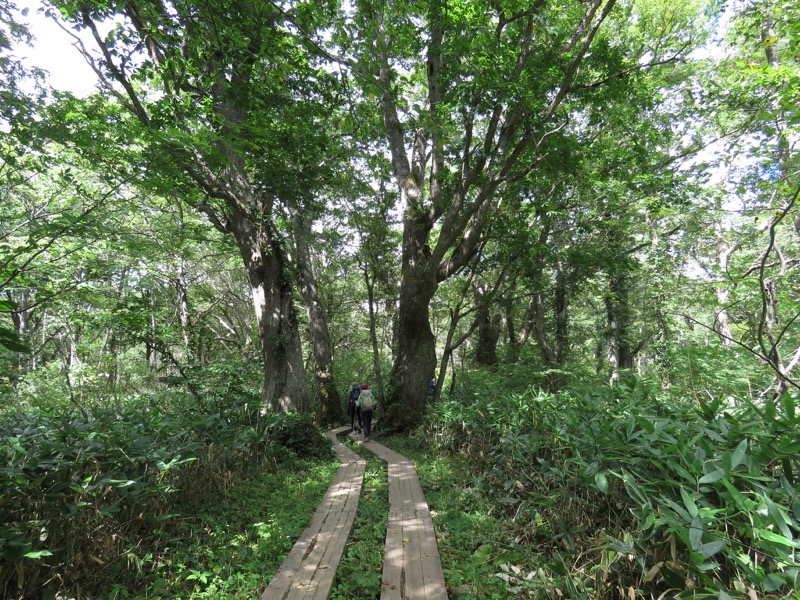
367 401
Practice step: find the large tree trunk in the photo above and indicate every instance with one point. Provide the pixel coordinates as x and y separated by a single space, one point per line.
330 409
415 361
285 386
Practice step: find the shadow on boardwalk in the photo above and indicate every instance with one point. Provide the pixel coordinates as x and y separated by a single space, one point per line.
412 569
310 567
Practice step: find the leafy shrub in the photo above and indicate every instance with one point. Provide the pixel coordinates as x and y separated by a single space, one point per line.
76 490
81 491
692 370
630 490
298 434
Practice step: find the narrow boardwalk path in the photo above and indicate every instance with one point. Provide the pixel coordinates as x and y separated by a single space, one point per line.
310 567
412 569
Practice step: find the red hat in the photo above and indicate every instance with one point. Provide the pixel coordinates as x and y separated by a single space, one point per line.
364 386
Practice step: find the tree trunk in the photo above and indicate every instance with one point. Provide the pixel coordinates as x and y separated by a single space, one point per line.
182 298
285 387
553 346
526 327
724 253
330 409
562 316
373 335
510 325
415 362
488 333
21 316
620 356
151 345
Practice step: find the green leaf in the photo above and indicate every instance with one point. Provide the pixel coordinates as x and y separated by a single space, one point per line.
682 471
646 424
773 582
712 477
685 516
742 502
696 533
739 454
774 538
38 554
714 435
711 548
789 409
10 340
601 481
634 491
727 462
691 507
779 518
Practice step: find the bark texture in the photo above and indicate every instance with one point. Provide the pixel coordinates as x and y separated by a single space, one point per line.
329 403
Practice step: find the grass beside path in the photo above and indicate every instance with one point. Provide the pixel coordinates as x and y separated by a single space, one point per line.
230 547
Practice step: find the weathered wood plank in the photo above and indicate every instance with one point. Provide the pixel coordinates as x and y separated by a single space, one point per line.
309 569
412 569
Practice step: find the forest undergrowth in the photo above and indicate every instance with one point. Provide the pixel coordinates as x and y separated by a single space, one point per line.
616 492
157 500
599 492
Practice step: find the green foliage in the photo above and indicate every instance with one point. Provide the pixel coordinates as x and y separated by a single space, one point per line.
84 490
77 488
231 544
692 369
628 489
356 366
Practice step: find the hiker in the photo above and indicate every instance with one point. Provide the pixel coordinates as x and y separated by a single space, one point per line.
352 407
367 404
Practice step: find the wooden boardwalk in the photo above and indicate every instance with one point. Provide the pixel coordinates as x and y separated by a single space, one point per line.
309 569
412 569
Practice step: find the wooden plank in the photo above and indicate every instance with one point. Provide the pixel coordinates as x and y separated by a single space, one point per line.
412 569
414 587
309 569
393 574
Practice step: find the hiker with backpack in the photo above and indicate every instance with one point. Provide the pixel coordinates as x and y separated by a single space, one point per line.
352 407
367 404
